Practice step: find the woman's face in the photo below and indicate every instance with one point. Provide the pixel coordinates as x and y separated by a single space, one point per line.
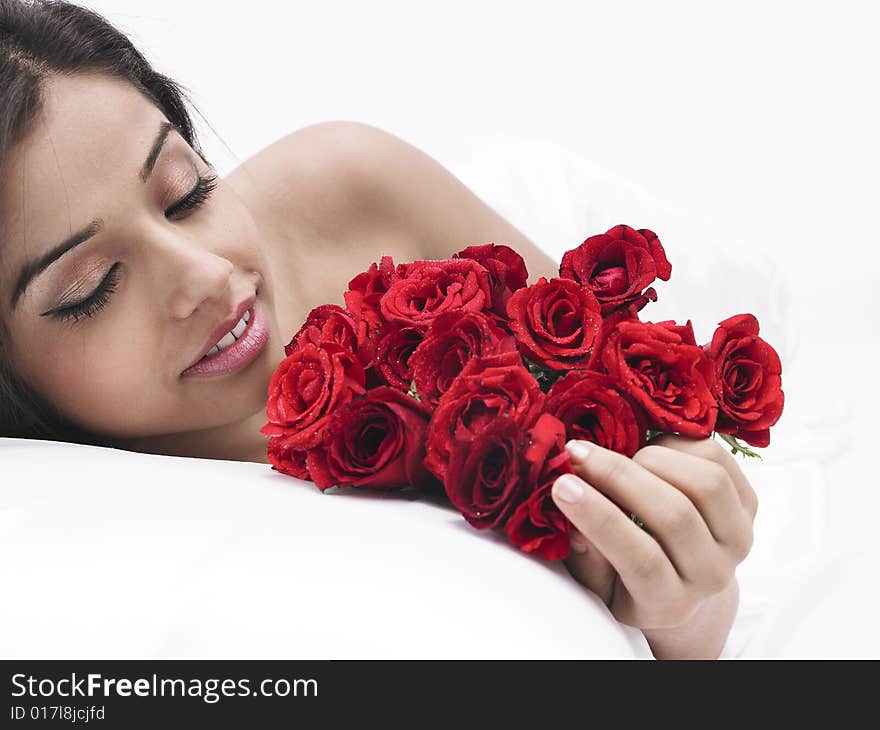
175 273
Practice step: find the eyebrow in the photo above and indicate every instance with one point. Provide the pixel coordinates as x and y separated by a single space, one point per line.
32 269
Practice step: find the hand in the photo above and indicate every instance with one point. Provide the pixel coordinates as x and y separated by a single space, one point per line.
697 504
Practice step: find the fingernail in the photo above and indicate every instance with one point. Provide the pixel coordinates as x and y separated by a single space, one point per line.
578 449
568 488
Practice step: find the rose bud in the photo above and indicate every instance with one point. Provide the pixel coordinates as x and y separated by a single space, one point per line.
617 266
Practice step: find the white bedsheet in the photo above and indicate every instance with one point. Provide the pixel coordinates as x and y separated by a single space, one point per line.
110 554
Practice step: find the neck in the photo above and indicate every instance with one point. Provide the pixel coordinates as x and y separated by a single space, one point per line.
240 441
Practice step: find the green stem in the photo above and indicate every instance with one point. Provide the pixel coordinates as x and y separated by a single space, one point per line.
737 446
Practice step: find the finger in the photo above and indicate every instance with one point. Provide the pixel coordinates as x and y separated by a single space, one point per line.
708 448
577 541
666 511
637 557
589 567
710 488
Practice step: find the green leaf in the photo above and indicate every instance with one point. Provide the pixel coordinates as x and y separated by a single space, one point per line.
737 446
412 391
545 376
532 367
640 523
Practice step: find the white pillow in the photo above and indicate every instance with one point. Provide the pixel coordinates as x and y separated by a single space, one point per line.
114 554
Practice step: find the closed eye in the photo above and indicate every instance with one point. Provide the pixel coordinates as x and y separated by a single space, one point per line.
93 303
199 194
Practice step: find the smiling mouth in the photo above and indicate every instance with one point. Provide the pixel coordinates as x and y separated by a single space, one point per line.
230 337
237 348
223 330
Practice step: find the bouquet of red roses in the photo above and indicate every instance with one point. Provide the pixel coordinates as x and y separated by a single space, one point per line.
459 375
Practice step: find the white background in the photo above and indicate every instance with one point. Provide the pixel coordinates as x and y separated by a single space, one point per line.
762 116
757 121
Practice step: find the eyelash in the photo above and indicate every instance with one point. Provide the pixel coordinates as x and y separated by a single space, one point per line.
98 299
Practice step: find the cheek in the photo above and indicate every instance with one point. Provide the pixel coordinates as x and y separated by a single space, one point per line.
96 379
238 230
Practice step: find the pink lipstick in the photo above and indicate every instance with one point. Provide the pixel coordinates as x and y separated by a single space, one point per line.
234 356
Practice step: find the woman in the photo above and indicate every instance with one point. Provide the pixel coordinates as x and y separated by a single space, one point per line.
125 260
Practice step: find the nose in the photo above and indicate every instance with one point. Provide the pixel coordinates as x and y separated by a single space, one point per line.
189 274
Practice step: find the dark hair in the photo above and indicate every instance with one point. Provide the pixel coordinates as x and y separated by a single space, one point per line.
39 39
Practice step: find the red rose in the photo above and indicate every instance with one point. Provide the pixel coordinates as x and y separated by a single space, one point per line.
395 344
507 271
327 323
331 323
286 460
609 324
663 369
487 388
366 290
537 525
593 409
430 288
376 441
617 266
453 339
748 383
488 476
306 387
555 322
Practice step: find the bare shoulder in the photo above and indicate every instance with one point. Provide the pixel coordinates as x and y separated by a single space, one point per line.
313 174
411 195
353 183
332 187
320 205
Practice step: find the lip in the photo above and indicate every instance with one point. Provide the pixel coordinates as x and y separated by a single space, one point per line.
223 327
239 353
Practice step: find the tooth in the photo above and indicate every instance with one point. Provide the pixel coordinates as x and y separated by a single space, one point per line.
210 352
227 340
247 316
239 328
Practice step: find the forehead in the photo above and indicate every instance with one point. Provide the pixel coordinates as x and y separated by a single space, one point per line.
85 122
85 145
